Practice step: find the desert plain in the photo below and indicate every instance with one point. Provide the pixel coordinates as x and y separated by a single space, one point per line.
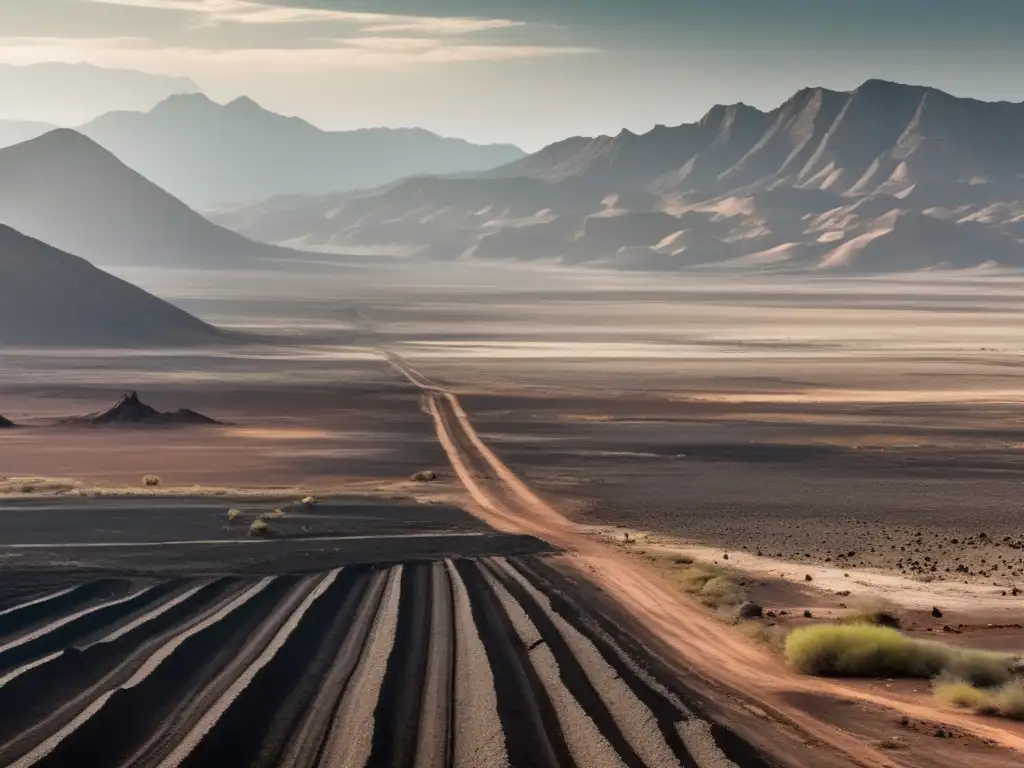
826 435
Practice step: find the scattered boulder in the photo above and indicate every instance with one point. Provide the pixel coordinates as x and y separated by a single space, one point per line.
426 476
808 577
808 615
749 610
131 410
936 613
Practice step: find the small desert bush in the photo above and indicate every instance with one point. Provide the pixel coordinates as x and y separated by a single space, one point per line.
862 650
274 514
426 476
309 501
716 587
1006 700
259 527
234 514
151 480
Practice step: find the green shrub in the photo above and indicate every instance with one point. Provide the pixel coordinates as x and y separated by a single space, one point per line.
862 650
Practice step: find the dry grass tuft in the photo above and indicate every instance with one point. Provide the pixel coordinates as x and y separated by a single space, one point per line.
1006 700
274 514
716 587
234 514
259 528
151 481
18 485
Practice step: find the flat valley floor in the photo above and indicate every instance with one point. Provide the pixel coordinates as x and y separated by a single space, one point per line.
868 423
863 424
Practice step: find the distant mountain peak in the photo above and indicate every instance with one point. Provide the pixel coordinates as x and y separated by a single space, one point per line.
244 102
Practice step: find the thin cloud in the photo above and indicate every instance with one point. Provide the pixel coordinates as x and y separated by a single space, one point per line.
254 13
380 52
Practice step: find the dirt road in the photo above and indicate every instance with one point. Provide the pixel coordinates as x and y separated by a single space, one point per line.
738 675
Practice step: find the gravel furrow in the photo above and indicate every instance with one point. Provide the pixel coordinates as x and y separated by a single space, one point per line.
350 741
479 735
44 749
210 717
590 749
310 736
435 733
635 720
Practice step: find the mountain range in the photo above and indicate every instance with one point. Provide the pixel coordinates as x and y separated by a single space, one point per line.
51 298
205 153
886 177
69 94
69 192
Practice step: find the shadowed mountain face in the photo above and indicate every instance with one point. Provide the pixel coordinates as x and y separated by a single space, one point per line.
51 298
886 177
68 191
5 423
206 153
69 94
130 410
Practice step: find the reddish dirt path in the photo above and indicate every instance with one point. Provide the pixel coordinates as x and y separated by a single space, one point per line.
711 650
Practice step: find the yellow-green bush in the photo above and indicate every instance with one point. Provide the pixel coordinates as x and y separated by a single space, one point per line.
863 650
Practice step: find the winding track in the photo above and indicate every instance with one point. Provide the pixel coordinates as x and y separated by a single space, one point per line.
716 661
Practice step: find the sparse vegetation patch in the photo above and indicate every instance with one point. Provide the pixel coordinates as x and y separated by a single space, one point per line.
234 514
1006 700
863 650
151 480
259 528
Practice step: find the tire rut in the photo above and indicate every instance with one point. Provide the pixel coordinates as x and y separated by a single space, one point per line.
434 739
78 626
22 617
222 736
49 688
307 741
96 734
532 734
399 707
653 684
350 740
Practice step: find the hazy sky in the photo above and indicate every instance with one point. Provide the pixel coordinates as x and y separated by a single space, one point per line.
528 71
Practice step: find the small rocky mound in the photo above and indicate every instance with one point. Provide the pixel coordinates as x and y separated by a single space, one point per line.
130 410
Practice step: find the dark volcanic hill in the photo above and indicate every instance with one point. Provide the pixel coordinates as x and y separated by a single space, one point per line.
5 423
130 410
51 298
207 153
805 186
68 191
